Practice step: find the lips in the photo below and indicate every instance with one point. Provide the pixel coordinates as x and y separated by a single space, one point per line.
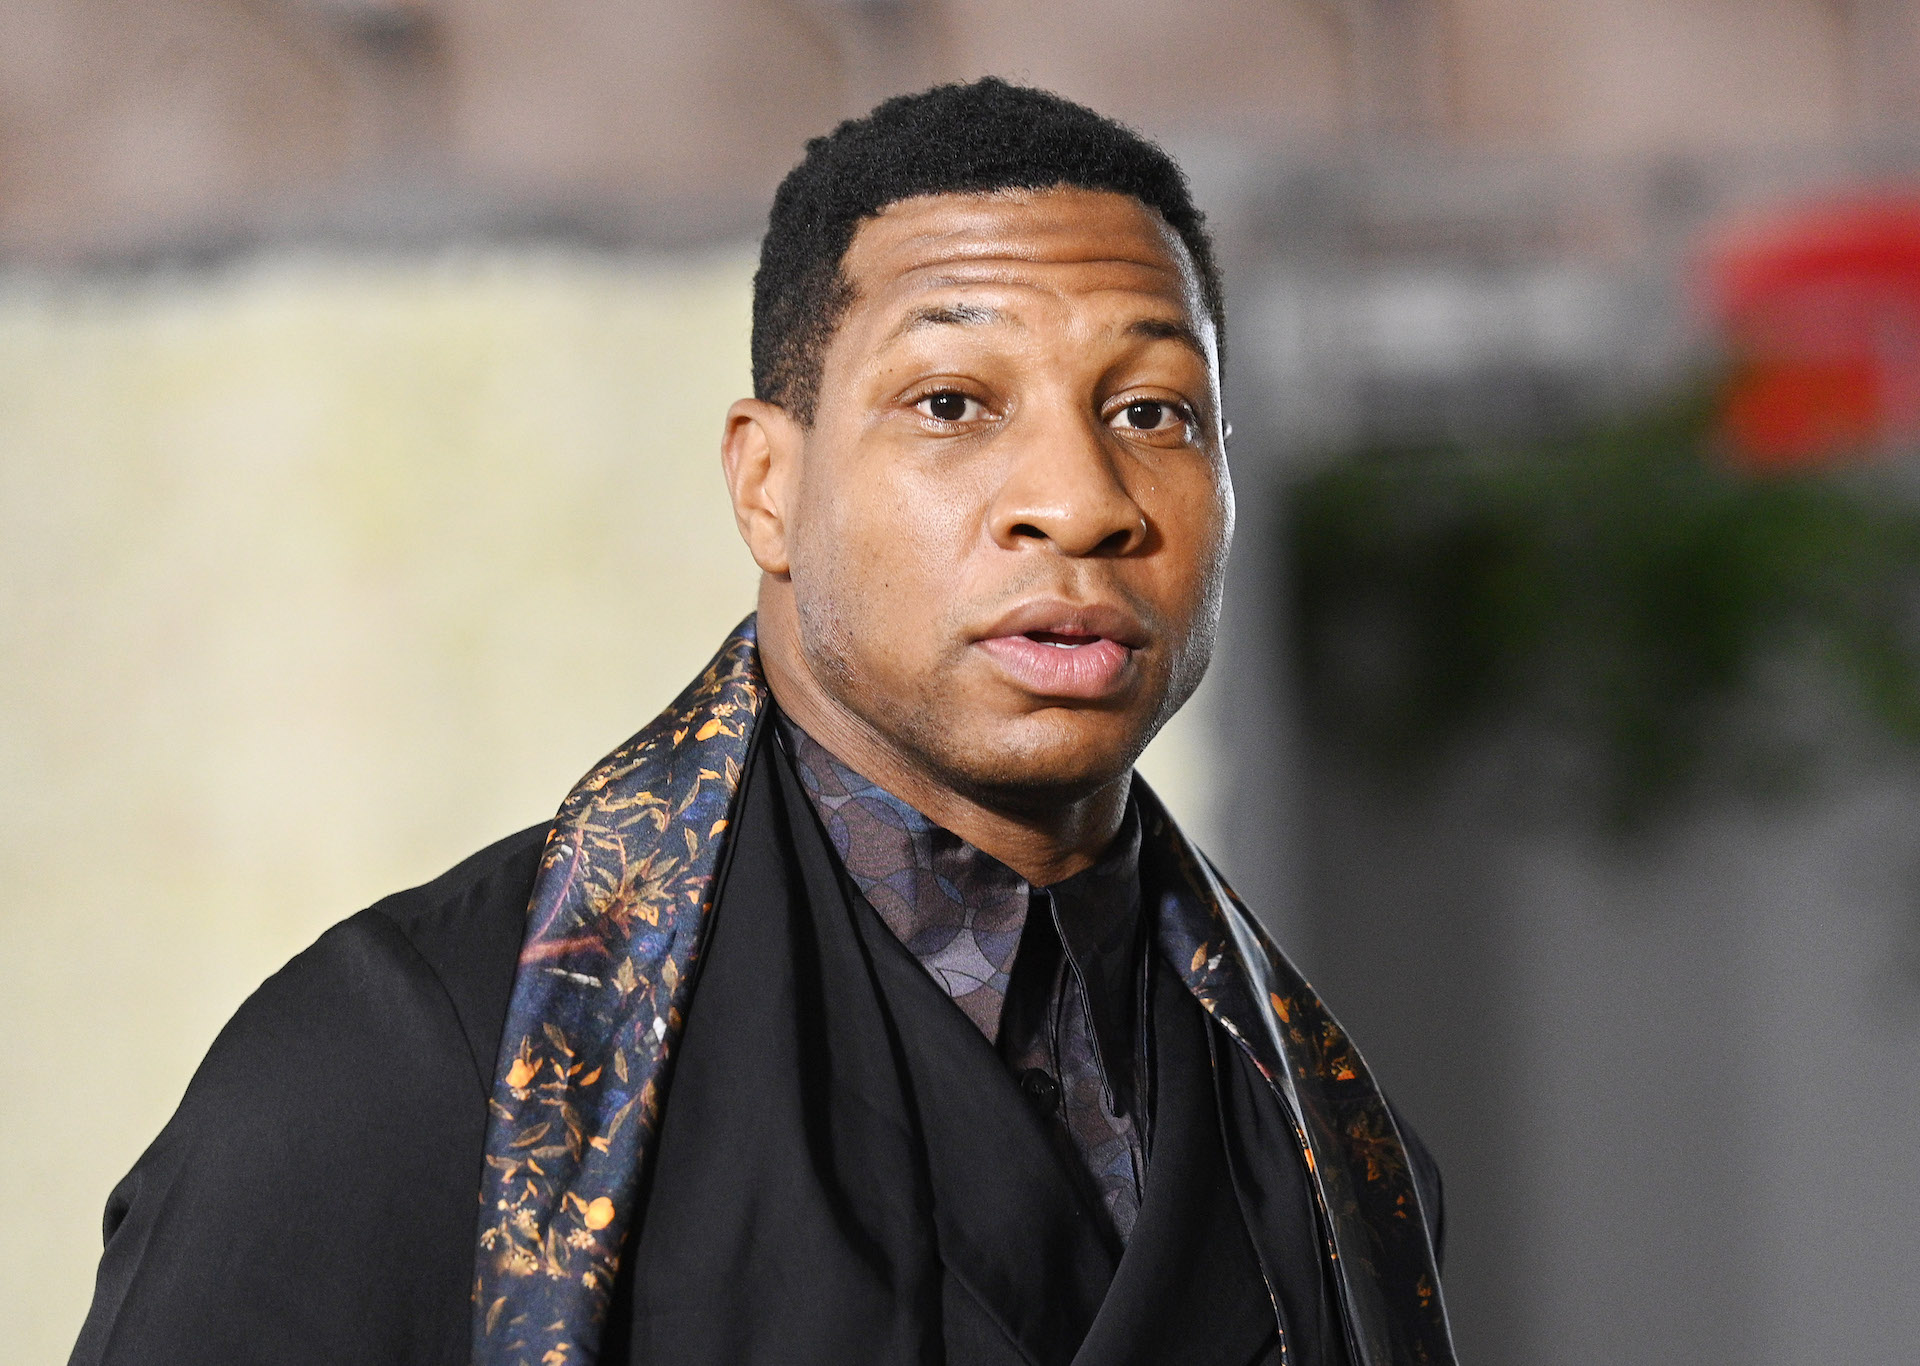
1063 650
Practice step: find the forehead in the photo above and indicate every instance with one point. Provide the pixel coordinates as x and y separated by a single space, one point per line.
1062 241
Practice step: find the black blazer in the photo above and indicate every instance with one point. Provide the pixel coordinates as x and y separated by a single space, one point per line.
313 1198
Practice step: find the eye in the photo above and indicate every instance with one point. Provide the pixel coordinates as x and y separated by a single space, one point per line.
950 406
1150 415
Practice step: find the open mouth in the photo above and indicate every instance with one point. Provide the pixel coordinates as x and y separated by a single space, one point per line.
1066 664
1075 651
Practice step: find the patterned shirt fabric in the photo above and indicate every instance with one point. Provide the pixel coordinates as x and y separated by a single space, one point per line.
1059 993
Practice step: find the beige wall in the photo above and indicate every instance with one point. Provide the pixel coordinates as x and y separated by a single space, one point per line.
315 575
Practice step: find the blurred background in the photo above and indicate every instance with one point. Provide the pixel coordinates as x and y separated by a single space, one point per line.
361 372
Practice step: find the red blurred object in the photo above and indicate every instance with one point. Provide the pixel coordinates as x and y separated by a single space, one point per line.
1821 308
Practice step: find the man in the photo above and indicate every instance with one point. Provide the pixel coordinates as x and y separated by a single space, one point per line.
862 1008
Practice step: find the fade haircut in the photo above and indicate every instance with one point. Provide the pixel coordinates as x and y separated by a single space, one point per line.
953 139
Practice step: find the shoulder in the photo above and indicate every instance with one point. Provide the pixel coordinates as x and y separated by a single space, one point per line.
393 1012
400 972
464 928
312 1199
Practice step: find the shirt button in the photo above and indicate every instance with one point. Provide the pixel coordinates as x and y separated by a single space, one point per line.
1041 1089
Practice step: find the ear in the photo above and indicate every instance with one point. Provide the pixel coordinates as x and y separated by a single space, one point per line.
760 452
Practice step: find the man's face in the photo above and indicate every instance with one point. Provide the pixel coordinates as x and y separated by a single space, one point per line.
1010 518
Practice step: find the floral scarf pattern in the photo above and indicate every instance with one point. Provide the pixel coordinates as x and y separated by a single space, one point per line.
616 923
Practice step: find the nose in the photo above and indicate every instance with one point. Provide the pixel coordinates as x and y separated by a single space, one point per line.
1063 489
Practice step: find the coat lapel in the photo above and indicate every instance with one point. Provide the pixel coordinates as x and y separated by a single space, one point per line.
1189 1290
1012 1225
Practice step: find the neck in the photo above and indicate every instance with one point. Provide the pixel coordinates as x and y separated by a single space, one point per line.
1043 837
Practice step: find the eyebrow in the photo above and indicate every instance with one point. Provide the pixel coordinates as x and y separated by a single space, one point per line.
1169 329
948 315
974 315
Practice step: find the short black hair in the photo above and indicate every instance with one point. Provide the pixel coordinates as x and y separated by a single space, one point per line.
975 138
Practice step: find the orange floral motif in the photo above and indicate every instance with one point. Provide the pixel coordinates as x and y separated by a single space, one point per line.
1371 1137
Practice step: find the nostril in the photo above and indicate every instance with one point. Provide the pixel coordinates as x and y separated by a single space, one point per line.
1027 529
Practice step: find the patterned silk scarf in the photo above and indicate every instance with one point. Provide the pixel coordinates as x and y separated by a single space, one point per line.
618 915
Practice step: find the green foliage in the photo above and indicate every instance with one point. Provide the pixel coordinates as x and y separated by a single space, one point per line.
1624 591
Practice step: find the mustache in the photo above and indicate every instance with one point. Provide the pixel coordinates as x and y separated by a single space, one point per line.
1081 583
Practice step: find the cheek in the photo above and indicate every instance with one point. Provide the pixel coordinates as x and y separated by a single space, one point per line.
893 541
1198 527
1195 516
880 555
1221 541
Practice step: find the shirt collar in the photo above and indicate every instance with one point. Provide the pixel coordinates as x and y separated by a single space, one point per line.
958 910
961 911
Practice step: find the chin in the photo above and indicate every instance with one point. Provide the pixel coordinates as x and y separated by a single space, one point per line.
1043 759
